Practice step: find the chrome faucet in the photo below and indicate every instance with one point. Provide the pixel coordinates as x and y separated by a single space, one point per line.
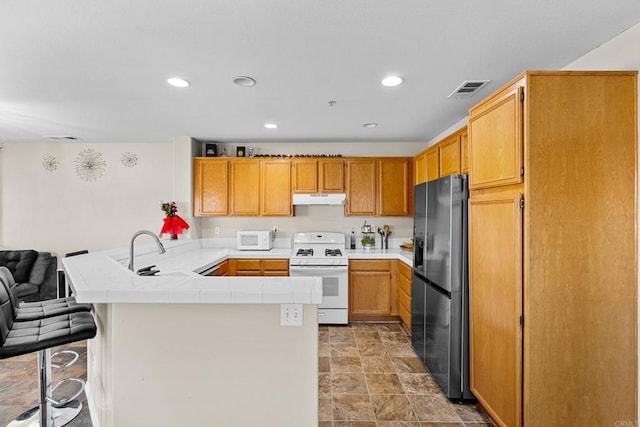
161 248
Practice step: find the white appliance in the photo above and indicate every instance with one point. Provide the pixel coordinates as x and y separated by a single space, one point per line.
255 240
323 254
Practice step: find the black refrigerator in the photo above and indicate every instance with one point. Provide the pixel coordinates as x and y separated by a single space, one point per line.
439 288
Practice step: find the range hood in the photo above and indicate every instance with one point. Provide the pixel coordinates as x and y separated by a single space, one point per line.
319 199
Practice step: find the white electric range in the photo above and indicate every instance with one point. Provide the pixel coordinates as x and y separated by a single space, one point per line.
324 254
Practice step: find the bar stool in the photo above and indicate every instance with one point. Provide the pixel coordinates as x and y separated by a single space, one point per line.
23 337
39 309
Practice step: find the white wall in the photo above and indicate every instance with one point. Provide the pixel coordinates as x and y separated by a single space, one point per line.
59 212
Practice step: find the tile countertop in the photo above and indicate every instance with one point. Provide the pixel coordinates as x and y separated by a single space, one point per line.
103 277
402 255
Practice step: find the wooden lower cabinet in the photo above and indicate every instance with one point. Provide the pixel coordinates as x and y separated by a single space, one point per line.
372 292
222 270
404 294
258 267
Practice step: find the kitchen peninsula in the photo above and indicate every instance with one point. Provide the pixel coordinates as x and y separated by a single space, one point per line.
183 349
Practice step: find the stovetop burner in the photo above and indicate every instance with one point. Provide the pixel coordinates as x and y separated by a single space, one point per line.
332 252
304 252
319 249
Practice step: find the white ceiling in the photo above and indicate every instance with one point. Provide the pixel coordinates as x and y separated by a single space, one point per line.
97 69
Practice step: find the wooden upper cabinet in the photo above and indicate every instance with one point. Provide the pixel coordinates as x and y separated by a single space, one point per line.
361 187
210 187
245 188
449 159
304 175
275 184
495 139
395 190
464 151
330 176
420 168
433 163
317 176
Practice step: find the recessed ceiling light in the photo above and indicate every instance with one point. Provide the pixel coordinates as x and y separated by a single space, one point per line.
271 126
177 82
392 81
244 81
369 125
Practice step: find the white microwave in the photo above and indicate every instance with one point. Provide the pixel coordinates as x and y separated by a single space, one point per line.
255 240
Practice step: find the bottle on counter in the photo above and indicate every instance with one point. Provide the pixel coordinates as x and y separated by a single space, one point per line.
250 151
353 239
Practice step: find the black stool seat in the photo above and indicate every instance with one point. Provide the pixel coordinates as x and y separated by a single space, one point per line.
27 337
49 308
25 311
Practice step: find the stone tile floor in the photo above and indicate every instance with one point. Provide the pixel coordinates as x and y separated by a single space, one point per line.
369 376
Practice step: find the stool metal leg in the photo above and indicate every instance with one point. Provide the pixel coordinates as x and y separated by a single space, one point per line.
44 383
49 413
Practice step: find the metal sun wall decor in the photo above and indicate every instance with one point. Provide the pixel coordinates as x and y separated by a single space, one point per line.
90 165
50 163
129 159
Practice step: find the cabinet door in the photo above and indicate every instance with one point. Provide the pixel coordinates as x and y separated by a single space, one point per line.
450 155
464 151
275 192
210 187
495 140
370 292
330 176
361 187
495 304
433 163
275 267
245 188
395 191
304 176
420 168
370 289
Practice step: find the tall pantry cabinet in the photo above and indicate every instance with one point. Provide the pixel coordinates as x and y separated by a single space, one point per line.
553 249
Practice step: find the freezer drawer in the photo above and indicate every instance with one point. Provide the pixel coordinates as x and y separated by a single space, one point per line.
442 339
418 289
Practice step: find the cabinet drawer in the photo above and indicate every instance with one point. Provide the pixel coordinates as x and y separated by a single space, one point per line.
405 315
248 264
275 273
370 265
404 270
404 301
275 264
405 285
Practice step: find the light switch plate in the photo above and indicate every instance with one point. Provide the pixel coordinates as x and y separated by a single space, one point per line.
290 314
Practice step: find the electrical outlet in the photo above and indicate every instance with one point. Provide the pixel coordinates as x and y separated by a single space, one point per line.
216 230
290 314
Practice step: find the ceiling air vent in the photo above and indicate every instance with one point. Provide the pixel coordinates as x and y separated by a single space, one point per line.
62 137
468 88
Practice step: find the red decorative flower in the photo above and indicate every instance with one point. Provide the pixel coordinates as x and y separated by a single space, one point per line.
173 224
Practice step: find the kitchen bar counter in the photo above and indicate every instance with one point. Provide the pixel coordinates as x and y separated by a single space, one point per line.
184 349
